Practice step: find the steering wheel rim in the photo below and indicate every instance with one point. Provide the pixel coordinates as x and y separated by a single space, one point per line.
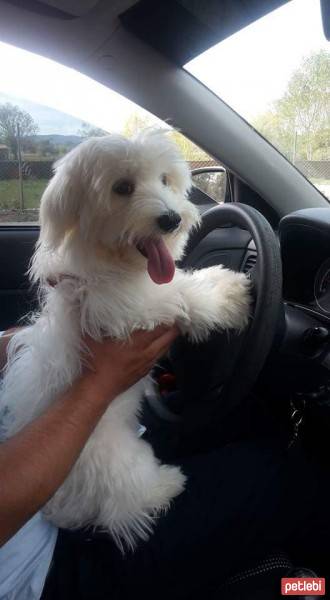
258 339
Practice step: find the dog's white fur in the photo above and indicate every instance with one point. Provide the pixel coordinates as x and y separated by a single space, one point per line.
88 245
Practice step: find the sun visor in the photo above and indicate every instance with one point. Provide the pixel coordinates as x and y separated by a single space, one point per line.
183 29
60 9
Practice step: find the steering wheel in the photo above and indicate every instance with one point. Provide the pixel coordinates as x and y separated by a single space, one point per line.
215 377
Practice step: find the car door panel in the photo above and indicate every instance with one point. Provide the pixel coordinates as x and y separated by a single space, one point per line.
17 296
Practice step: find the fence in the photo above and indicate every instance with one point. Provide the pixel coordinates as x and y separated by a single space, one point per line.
21 187
199 164
36 169
314 169
22 184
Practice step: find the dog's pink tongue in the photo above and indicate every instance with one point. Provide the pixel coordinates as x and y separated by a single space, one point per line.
161 267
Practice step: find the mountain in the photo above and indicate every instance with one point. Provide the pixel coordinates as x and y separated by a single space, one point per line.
50 121
57 139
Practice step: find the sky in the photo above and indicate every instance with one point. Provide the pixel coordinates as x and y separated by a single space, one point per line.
44 81
251 69
248 70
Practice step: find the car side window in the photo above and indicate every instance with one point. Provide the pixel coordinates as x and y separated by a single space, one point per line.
34 135
28 153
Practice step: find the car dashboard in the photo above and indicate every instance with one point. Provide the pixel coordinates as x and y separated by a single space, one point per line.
304 349
305 246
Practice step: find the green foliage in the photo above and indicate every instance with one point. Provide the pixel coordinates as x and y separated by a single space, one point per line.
190 151
9 193
88 131
142 120
12 117
139 120
299 122
63 149
46 148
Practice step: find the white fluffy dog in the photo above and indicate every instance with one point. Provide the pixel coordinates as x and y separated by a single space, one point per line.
114 218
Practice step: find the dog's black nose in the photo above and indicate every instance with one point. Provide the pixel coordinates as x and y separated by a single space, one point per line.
169 221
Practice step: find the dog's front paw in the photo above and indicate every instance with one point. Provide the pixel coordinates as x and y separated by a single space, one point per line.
217 299
234 291
228 302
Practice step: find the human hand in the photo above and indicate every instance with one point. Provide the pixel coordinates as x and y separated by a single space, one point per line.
114 366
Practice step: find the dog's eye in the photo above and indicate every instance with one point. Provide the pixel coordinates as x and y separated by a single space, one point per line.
164 179
124 187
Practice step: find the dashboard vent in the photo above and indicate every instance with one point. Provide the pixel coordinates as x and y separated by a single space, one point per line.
250 262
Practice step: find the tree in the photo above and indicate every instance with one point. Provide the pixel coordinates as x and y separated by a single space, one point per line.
88 131
47 148
190 151
303 112
274 128
138 121
12 118
306 103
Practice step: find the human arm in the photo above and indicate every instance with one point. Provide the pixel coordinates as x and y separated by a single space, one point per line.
35 462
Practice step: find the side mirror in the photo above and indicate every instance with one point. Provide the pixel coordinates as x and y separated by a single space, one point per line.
212 181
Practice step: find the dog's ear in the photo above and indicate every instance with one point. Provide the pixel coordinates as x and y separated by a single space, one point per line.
59 207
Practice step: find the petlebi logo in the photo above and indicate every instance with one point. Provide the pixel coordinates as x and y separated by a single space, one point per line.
309 586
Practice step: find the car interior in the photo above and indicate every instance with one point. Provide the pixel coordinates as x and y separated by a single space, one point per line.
273 225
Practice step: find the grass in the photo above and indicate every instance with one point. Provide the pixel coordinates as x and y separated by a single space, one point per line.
10 194
33 189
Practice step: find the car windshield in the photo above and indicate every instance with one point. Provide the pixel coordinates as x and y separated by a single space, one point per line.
275 73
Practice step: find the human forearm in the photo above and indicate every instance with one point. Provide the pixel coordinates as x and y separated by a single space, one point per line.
49 445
